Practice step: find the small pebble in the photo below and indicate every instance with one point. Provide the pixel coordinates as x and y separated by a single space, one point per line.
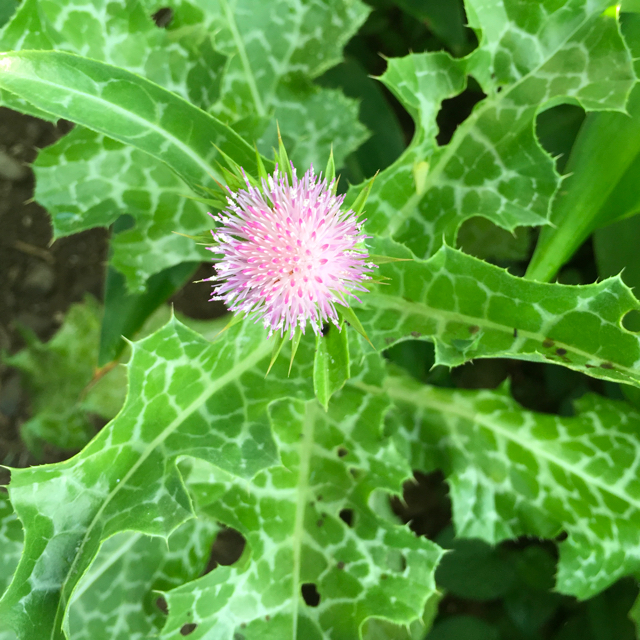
11 169
40 277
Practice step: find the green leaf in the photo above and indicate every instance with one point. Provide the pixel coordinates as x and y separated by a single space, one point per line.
275 50
557 129
125 313
295 343
376 629
331 363
153 121
7 10
126 107
605 617
470 309
10 541
28 26
464 626
315 120
180 58
616 251
117 179
308 522
116 595
474 570
10 550
634 614
186 397
348 315
532 602
64 385
513 472
602 178
529 58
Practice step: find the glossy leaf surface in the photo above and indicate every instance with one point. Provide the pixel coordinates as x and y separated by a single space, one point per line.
513 472
317 556
602 178
186 398
275 50
528 57
126 107
471 309
117 597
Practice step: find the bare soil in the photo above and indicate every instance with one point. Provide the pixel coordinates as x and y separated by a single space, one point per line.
39 279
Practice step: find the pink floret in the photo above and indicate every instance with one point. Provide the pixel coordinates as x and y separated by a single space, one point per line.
289 253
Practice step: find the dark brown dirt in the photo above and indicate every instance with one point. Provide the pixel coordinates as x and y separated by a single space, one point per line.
38 280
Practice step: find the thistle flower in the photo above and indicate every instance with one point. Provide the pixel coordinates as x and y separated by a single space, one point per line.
290 253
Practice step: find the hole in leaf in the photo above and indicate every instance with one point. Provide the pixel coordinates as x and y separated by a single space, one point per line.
342 452
456 110
326 327
162 17
161 603
562 536
188 628
347 516
425 504
631 321
396 561
226 549
557 129
310 594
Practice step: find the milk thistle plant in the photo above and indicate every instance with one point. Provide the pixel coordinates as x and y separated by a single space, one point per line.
467 360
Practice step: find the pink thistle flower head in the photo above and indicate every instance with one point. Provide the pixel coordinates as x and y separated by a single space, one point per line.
289 252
